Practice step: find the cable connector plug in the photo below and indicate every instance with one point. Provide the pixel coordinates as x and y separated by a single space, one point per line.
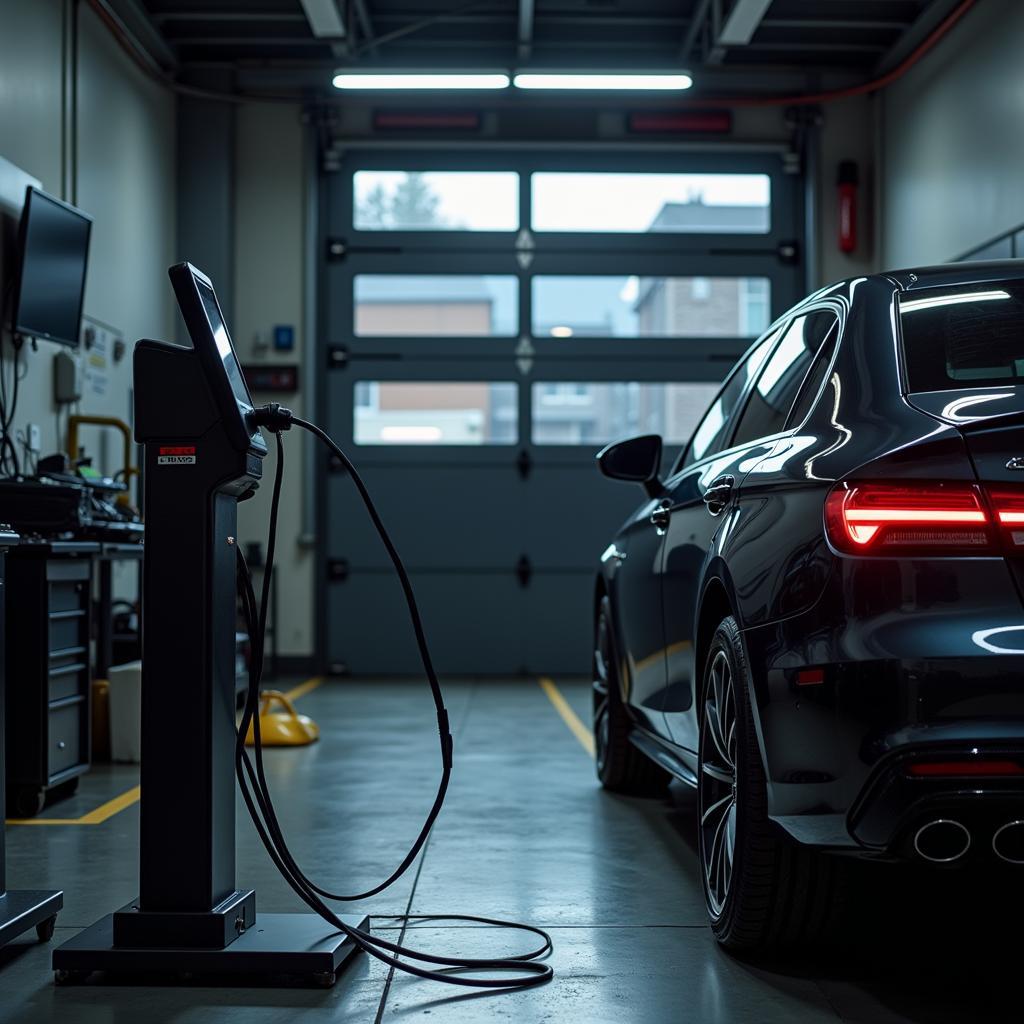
275 417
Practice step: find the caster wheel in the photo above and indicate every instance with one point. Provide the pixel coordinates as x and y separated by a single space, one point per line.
70 977
325 979
45 928
29 801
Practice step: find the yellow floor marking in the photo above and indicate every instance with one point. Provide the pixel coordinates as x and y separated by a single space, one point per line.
571 719
119 803
303 688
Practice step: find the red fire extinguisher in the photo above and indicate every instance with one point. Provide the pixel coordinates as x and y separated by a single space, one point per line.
847 206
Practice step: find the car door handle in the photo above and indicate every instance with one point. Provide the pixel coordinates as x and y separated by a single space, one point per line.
717 496
660 516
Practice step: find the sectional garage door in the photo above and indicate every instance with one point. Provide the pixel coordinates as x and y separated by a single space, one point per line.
487 325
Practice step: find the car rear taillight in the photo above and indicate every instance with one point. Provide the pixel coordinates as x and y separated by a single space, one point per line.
885 518
963 769
1008 509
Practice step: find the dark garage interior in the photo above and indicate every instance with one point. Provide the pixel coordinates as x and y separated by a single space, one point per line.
511 510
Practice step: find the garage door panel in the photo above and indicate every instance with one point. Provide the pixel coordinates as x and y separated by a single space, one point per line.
572 514
454 517
560 623
471 620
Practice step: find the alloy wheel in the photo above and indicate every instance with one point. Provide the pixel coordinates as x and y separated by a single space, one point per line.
718 783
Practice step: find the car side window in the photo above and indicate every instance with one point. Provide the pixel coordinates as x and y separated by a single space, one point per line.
776 388
815 378
714 427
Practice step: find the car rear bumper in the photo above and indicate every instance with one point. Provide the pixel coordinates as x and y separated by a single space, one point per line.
895 803
900 679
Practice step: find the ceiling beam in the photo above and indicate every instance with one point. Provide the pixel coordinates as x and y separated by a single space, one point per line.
742 22
324 17
526 12
927 21
693 31
365 26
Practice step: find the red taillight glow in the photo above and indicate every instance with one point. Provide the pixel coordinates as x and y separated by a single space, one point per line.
955 769
1009 510
863 516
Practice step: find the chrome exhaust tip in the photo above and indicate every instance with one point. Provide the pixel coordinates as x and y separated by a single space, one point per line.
943 841
1008 842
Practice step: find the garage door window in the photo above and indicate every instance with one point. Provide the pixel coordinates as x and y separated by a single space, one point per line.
598 306
436 305
398 412
435 200
588 201
576 413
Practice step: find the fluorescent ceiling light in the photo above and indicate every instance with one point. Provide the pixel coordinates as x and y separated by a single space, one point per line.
417 80
554 80
324 18
561 332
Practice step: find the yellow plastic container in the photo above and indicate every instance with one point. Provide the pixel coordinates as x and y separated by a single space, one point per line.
286 728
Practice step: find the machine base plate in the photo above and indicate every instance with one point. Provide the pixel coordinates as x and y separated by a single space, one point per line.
21 910
278 944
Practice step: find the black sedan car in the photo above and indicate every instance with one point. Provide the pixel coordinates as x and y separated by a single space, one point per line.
815 618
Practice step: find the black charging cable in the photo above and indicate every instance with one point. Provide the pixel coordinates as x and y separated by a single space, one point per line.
256 791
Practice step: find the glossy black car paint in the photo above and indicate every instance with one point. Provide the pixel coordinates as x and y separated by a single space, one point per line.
905 672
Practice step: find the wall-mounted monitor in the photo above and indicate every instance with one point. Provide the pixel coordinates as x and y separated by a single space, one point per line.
53 253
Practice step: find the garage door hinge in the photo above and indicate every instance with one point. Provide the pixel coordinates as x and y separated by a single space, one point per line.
337 569
524 463
524 570
788 253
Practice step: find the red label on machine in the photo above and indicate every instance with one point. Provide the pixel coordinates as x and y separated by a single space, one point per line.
176 455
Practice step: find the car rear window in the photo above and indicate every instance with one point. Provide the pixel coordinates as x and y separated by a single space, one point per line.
963 336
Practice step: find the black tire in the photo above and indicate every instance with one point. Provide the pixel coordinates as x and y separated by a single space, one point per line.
770 893
620 766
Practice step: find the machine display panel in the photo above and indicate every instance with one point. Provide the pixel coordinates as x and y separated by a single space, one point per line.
211 341
223 342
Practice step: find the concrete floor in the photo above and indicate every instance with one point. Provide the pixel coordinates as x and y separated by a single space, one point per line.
527 834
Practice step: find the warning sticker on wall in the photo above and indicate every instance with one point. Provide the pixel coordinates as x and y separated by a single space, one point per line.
176 455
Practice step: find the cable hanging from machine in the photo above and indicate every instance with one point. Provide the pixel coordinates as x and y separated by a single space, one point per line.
256 791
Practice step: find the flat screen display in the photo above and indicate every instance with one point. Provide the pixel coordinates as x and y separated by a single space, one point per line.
51 280
223 341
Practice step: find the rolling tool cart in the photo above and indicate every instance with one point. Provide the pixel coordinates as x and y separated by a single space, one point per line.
19 910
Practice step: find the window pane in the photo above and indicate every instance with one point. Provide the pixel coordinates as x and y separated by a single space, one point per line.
596 413
436 200
435 412
776 388
435 305
714 427
964 337
650 307
679 203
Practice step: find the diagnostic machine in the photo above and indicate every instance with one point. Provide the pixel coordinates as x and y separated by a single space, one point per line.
204 453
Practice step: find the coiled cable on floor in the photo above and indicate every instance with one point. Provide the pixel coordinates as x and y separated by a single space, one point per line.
252 778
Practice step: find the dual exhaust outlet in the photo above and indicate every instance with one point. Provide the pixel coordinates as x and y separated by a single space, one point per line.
944 841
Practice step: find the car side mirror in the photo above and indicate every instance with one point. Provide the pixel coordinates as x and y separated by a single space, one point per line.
637 460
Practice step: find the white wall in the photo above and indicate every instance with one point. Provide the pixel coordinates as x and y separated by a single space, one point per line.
953 142
123 175
270 270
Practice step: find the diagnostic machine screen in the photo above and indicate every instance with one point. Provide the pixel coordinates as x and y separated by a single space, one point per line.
223 340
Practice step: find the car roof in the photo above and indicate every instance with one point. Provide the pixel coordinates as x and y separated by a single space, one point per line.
915 278
951 274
